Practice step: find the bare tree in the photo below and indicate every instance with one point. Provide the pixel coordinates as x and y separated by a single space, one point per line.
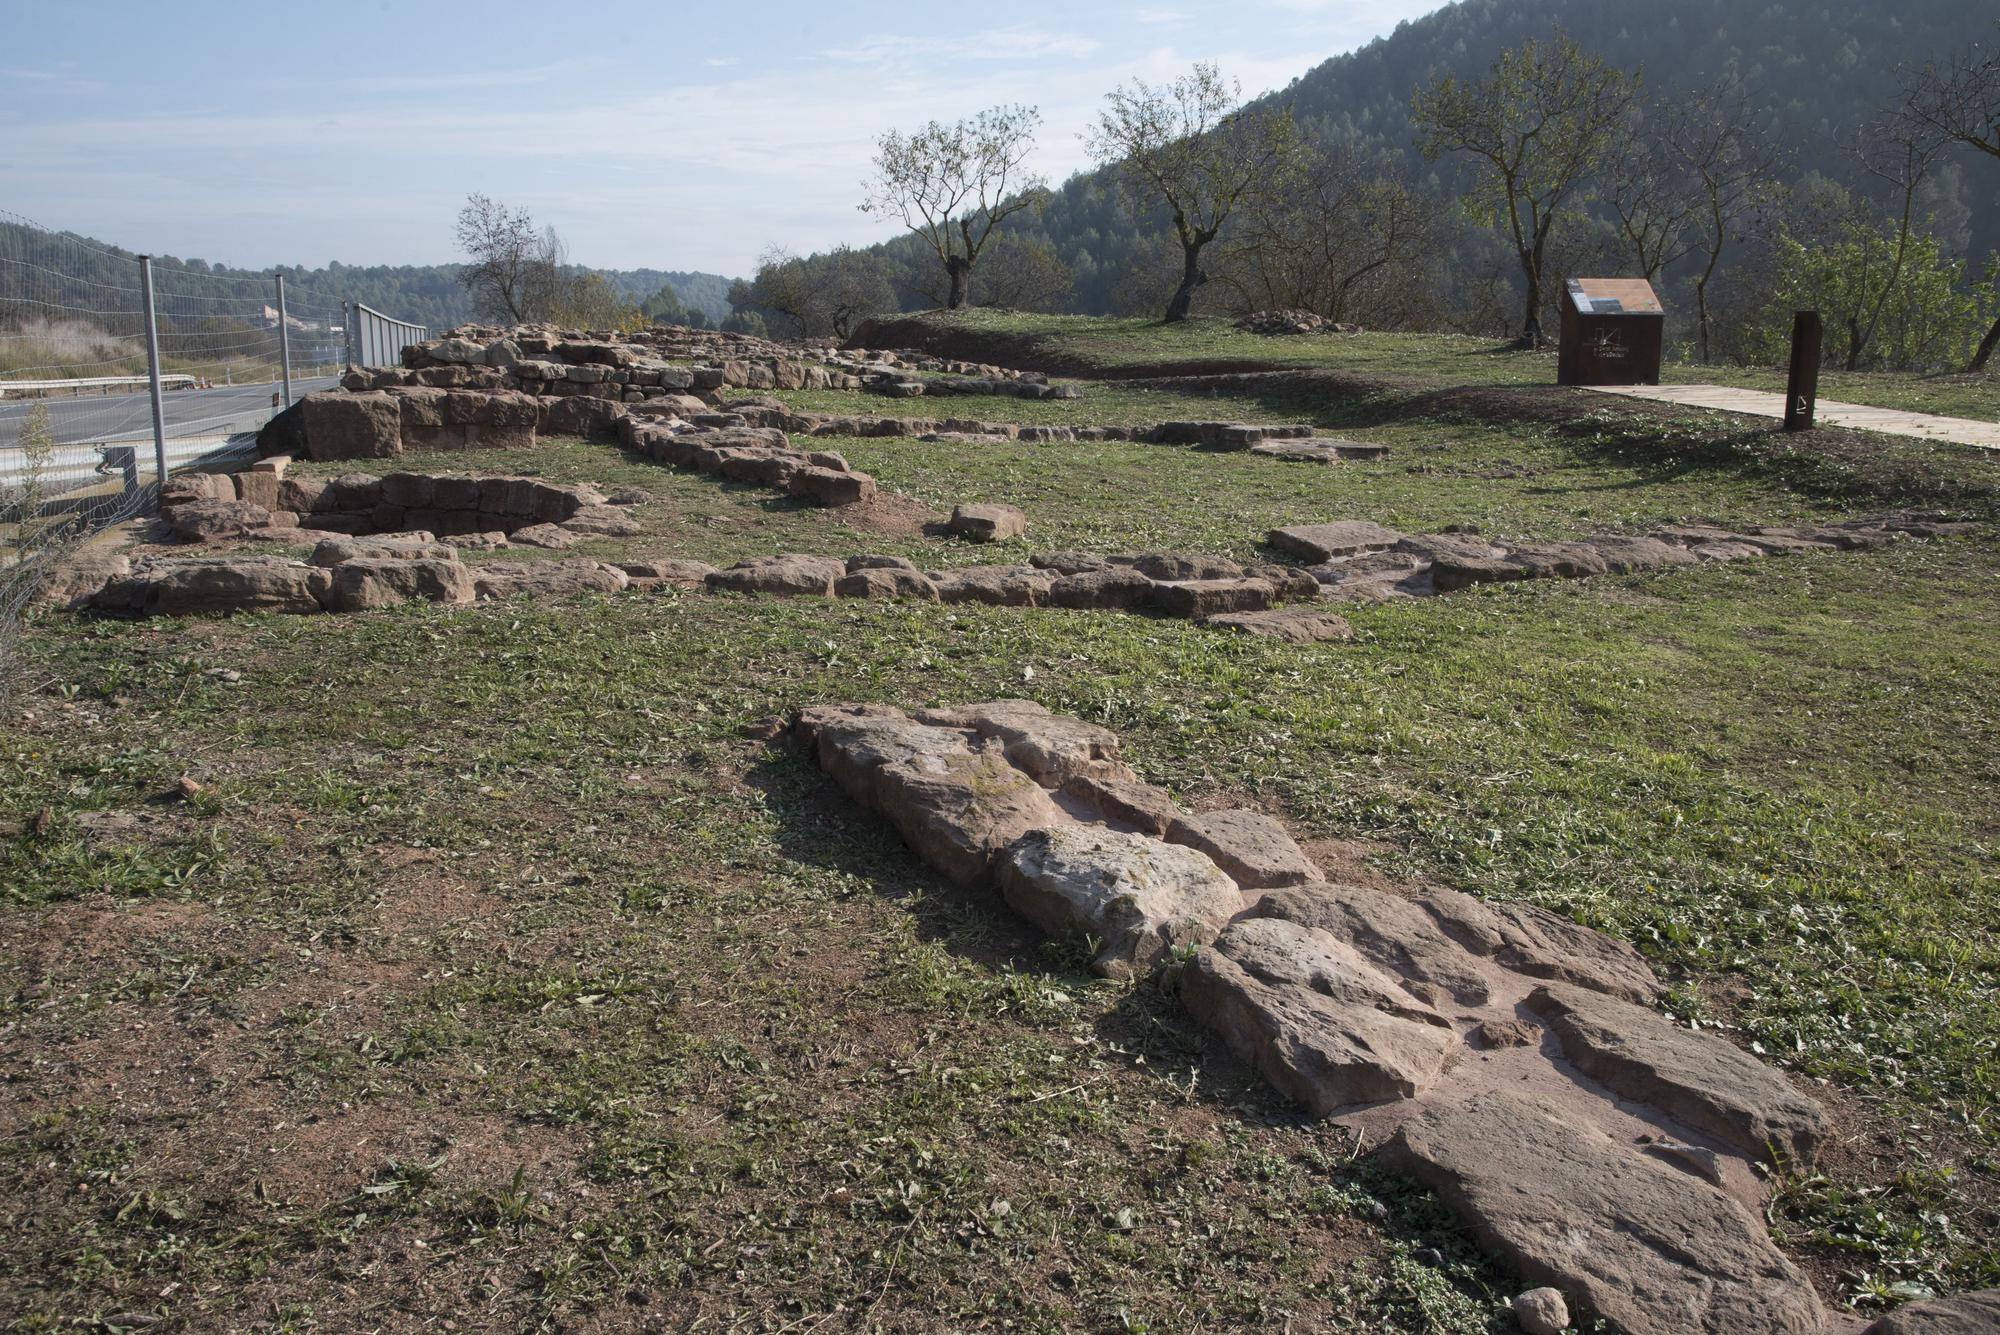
1959 102
1731 173
1539 128
1328 232
1649 191
1194 145
1900 151
514 268
954 184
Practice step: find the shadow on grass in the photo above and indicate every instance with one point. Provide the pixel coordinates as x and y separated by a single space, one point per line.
1146 1028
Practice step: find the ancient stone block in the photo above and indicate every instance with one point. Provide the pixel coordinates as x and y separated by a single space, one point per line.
1327 1028
339 425
984 522
1250 846
1697 1079
367 582
1139 897
1647 1247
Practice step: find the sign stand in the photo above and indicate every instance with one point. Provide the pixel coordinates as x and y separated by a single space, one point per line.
1802 381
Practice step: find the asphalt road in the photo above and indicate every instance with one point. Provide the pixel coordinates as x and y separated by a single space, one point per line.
200 422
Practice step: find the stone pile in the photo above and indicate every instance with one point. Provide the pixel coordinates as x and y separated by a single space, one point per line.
1360 561
1509 1058
1292 322
264 504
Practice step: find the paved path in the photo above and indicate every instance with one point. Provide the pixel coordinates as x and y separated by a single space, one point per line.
1855 416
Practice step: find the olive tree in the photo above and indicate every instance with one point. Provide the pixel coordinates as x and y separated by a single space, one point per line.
1192 144
953 185
1538 129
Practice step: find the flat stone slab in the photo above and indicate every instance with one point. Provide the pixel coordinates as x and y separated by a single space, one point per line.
1051 748
1323 542
1698 1080
1139 897
1254 849
1319 450
1293 625
1531 940
784 576
1327 1028
1651 1249
1966 1314
1127 801
546 579
1392 932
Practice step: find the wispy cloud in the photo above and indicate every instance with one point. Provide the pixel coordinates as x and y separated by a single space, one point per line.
1003 44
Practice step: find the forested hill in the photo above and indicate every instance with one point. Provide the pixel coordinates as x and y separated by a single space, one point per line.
426 294
1813 70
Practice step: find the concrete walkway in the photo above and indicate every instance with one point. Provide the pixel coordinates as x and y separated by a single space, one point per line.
1854 416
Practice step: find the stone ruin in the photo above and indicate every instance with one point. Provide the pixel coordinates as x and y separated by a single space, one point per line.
481 389
1278 323
1355 560
1510 1059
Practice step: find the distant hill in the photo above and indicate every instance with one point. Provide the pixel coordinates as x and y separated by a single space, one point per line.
1815 69
425 294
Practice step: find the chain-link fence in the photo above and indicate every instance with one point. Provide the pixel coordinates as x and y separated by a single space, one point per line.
117 370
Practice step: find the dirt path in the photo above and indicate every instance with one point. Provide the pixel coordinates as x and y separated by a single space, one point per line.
1854 416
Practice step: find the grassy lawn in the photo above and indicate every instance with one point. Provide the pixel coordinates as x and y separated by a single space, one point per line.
492 975
1112 344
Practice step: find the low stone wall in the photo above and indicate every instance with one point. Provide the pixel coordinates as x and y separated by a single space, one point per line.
1509 1058
1359 561
265 504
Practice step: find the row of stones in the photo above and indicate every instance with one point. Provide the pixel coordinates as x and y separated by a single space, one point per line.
345 574
657 348
1360 561
379 423
263 503
742 453
635 367
1158 583
1506 1056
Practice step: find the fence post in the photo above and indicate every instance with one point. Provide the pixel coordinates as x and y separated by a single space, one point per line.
153 370
347 332
284 341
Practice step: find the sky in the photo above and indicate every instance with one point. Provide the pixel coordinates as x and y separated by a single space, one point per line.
663 136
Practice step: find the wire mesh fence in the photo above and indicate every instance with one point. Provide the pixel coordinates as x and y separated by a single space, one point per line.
87 431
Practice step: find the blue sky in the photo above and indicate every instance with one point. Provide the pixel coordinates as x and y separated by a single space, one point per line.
670 136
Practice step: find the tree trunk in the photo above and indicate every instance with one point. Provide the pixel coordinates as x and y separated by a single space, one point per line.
1701 316
1192 277
960 269
1986 346
1531 271
1854 337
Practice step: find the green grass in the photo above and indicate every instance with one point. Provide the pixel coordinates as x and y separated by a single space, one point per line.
494 976
1112 345
737 1002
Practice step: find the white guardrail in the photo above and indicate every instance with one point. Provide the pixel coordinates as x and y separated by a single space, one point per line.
94 382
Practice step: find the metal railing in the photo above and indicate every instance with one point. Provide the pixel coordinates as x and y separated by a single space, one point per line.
375 339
